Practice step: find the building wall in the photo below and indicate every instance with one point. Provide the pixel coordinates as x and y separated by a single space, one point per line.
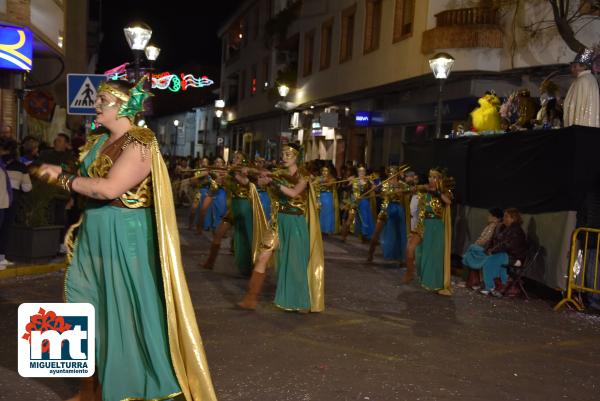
386 64
252 53
394 62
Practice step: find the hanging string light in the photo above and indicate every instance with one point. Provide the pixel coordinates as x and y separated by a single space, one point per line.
164 80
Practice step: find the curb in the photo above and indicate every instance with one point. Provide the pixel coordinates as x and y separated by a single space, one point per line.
30 270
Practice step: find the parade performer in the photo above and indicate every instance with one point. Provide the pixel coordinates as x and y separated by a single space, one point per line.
214 206
239 216
391 219
362 207
294 236
328 200
262 188
582 103
203 184
126 261
429 246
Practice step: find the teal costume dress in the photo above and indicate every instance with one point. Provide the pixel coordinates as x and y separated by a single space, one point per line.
293 253
433 253
115 266
294 233
240 216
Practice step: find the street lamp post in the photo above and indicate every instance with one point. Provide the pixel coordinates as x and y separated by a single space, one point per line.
138 35
283 90
441 65
174 141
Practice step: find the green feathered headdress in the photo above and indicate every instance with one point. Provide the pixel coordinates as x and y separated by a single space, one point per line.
135 104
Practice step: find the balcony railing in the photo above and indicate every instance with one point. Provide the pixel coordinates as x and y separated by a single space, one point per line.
468 16
464 28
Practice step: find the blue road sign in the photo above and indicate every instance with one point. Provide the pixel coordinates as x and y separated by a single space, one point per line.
81 92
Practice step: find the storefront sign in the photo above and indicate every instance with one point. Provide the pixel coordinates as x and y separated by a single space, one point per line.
316 128
362 118
16 48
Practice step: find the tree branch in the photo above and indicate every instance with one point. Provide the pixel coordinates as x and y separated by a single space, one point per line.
564 28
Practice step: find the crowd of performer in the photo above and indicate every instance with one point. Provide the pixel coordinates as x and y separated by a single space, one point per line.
279 214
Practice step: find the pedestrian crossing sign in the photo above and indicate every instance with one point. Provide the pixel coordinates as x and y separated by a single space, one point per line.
81 92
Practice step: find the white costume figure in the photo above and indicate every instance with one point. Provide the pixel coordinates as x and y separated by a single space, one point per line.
582 103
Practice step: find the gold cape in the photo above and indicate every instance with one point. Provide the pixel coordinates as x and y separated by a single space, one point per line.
447 290
187 350
264 237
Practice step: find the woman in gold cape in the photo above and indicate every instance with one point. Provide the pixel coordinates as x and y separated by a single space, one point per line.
126 262
294 236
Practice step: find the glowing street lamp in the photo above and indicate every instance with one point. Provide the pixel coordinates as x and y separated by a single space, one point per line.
152 53
138 35
441 65
283 90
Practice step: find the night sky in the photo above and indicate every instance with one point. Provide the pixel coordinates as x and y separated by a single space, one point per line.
186 31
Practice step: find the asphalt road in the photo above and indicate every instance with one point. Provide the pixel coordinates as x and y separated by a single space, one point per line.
377 339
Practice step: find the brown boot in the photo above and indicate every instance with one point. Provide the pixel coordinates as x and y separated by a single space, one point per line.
212 256
372 247
254 286
410 270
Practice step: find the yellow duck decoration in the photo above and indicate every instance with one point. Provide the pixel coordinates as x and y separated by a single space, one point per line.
487 116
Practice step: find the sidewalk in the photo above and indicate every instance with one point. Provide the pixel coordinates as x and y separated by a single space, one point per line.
21 270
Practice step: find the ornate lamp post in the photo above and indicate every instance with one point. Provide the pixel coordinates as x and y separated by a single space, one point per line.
138 35
441 65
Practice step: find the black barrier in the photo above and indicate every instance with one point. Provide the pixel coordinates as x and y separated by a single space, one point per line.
534 171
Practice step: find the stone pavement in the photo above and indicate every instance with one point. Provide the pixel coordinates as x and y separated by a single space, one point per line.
377 339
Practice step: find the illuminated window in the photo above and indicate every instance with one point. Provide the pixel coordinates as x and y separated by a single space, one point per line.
403 19
372 25
347 36
326 40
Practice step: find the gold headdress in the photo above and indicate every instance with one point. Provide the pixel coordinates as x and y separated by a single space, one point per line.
106 87
132 102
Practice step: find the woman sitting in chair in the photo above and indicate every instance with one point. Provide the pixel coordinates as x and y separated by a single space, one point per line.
475 256
507 247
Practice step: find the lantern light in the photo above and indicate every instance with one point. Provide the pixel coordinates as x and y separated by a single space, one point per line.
441 65
138 35
152 52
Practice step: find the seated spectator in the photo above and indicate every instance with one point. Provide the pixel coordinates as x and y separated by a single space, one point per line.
508 246
475 256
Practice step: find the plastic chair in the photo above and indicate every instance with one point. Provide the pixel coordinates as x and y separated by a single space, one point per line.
518 270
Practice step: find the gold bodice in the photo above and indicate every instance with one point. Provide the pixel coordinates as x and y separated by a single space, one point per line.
136 197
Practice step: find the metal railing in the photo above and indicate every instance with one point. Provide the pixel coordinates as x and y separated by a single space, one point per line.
585 253
468 16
